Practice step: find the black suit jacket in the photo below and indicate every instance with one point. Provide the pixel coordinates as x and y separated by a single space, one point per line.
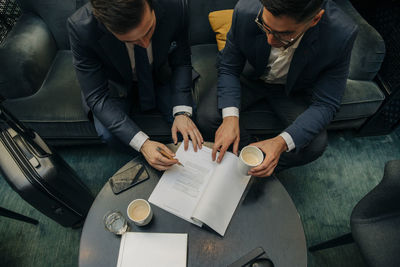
320 63
103 67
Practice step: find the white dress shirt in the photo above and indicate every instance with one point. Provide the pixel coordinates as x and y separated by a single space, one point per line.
276 73
139 138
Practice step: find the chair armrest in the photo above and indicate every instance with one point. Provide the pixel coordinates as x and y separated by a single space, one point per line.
382 202
25 57
369 48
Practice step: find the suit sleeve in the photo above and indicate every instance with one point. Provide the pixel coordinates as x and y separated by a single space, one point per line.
94 85
326 98
181 64
231 62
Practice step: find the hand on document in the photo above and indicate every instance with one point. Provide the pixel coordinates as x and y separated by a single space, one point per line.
272 148
155 158
187 128
227 133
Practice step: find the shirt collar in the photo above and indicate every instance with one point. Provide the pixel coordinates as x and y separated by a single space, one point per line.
293 46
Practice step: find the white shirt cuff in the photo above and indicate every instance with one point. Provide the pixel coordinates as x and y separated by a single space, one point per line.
289 141
138 140
230 111
177 109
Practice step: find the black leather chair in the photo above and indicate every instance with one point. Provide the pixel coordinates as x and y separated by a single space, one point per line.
375 222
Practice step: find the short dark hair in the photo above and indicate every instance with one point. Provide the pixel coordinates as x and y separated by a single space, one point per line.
300 10
120 16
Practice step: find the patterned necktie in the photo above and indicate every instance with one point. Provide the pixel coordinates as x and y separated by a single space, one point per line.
145 79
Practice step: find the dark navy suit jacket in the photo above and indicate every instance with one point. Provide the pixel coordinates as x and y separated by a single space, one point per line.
321 62
103 67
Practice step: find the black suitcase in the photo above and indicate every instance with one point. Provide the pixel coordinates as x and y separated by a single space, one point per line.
40 176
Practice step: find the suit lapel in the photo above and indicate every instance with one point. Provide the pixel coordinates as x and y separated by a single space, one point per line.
117 53
262 53
157 38
306 51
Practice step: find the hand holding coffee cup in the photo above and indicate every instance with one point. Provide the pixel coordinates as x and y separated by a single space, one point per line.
250 156
139 211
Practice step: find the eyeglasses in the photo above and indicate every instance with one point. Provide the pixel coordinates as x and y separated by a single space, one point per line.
281 37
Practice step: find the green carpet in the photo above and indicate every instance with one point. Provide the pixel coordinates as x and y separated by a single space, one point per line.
324 193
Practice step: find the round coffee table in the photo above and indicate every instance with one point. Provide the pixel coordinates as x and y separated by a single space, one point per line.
266 217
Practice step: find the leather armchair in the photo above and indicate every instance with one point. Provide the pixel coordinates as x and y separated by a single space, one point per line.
38 80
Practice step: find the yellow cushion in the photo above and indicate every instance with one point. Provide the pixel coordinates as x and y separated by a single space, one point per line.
221 22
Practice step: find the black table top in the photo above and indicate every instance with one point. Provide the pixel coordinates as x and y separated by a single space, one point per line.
265 216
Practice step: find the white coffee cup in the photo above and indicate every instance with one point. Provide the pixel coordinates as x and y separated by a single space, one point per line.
250 156
139 211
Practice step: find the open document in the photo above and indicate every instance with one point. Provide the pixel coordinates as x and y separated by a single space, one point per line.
203 191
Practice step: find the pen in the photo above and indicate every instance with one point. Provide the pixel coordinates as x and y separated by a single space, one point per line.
165 154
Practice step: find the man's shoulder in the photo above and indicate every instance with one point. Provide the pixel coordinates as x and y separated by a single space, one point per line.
170 3
247 9
336 23
173 9
83 21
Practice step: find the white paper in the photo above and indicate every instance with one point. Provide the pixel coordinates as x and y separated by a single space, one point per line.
180 188
152 250
202 191
224 191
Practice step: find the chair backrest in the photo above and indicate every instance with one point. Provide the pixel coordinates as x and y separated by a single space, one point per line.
367 55
369 48
200 31
54 13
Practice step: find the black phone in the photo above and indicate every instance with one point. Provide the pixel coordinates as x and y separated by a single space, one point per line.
128 178
255 258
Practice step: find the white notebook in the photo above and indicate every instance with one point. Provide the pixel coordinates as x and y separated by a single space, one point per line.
203 191
152 250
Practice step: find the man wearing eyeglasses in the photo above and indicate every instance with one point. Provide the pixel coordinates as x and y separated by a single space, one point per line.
299 53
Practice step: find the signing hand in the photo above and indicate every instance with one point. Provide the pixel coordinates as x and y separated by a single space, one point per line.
273 148
227 133
154 158
187 128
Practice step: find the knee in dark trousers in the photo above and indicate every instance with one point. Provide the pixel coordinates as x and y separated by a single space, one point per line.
208 121
316 148
307 154
111 140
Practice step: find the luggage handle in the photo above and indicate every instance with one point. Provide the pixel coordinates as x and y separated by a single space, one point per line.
27 133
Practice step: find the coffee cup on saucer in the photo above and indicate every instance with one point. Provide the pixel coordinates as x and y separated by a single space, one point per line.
139 211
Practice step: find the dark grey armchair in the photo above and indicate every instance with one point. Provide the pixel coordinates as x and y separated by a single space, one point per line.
375 222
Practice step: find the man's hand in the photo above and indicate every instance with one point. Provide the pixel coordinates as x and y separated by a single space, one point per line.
187 128
273 148
227 133
155 158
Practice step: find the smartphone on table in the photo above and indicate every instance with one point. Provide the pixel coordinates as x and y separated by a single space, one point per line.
128 178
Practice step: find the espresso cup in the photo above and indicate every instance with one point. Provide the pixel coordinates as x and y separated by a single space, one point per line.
250 156
139 211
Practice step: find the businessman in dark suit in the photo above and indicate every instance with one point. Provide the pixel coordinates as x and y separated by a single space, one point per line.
300 52
134 54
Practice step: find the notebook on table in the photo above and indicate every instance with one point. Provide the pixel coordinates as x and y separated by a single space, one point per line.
152 250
